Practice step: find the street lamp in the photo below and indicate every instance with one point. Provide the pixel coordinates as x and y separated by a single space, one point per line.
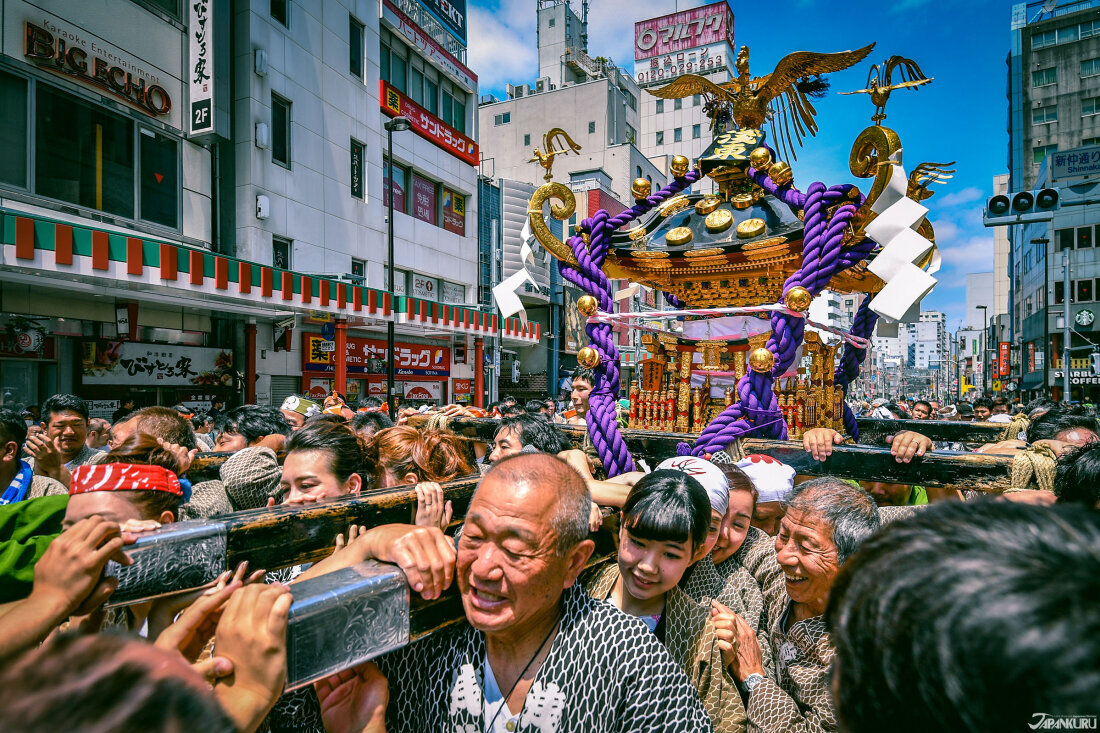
397 124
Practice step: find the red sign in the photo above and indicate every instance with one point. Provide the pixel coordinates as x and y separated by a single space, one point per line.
680 31
1031 357
454 212
368 356
27 345
463 386
1004 360
429 126
423 199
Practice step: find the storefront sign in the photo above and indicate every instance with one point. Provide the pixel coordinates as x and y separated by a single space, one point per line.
71 53
1076 376
451 13
200 67
681 31
428 125
660 69
423 390
130 363
454 212
1031 357
463 386
104 409
454 293
428 46
1004 359
28 344
368 356
425 287
357 150
575 336
1076 163
423 192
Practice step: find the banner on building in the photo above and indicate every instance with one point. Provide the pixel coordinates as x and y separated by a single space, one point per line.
1004 359
695 41
428 126
1031 357
368 356
161 365
454 212
428 46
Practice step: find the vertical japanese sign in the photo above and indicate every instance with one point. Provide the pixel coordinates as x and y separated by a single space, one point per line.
454 212
200 67
1031 357
357 156
423 199
1004 359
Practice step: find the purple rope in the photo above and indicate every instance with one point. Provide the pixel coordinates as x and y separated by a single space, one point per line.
603 426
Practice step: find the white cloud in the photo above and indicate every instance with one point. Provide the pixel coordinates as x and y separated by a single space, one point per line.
957 198
501 50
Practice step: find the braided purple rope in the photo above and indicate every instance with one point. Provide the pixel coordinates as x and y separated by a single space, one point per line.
603 426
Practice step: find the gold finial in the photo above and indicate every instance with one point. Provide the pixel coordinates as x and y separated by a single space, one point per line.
760 159
640 189
781 173
680 166
879 83
761 360
546 160
798 299
588 357
588 305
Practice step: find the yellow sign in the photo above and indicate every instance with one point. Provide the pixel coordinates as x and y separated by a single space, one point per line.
996 385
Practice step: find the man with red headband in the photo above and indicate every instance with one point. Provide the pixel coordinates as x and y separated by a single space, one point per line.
125 491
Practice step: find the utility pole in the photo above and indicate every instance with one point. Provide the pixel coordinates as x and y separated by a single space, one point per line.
1066 328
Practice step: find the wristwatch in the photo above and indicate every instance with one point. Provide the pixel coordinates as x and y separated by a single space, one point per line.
752 681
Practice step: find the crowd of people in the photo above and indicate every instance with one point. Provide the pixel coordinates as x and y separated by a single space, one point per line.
741 596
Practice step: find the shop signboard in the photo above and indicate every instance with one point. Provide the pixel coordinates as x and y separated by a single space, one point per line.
428 126
104 409
27 344
425 287
423 192
1004 359
463 386
1031 357
161 365
454 212
1076 163
575 336
451 13
423 390
1076 376
428 46
453 293
695 41
368 356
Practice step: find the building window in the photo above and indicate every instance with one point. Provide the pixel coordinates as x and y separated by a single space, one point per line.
454 108
638 171
660 137
83 155
1040 153
358 178
400 181
1059 292
1043 40
1090 29
159 178
394 61
552 22
170 7
678 104
592 128
1090 106
280 253
355 47
502 119
279 11
13 130
1090 141
631 135
1069 34
1041 115
424 198
696 100
1084 291
280 130
526 140
1090 67
1027 306
431 91
1084 237
631 100
696 132
416 83
1044 77
678 135
1064 238
660 106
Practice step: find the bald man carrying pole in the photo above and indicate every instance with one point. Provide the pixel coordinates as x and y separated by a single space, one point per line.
536 653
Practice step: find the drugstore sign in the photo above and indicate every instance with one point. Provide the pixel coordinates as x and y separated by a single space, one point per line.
427 125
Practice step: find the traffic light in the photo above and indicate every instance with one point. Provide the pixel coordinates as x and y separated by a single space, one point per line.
1021 208
1094 362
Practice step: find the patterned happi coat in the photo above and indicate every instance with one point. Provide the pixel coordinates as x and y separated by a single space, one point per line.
605 672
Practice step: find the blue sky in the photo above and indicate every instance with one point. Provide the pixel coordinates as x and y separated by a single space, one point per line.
961 116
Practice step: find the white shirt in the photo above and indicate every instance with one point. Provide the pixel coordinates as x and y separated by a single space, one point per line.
502 719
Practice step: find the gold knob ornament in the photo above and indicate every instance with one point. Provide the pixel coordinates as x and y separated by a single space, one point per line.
707 204
760 159
781 173
640 189
798 299
750 228
588 357
741 201
679 236
588 305
719 221
760 360
680 166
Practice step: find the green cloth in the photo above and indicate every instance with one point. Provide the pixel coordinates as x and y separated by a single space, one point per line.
918 496
26 529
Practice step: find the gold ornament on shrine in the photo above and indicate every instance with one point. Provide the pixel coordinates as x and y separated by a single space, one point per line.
761 360
679 236
640 189
781 173
680 166
750 228
798 299
588 357
588 305
760 159
712 355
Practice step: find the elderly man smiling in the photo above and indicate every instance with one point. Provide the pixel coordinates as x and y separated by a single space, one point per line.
538 654
826 521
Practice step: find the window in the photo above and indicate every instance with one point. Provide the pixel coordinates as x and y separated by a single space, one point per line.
661 138
1064 238
394 61
631 135
355 47
83 154
552 22
678 135
1040 153
631 100
1040 115
1042 40
660 106
1084 290
678 104
358 165
1090 106
454 212
431 90
424 196
1068 35
1084 237
502 119
1059 292
358 268
400 185
1090 29
1090 67
637 171
280 253
1027 306
159 178
696 100
695 132
171 7
278 11
592 128
416 83
13 130
1044 77
454 108
280 130
526 140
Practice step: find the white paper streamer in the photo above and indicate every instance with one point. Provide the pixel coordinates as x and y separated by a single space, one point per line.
505 293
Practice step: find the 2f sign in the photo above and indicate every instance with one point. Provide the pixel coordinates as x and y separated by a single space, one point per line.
201 119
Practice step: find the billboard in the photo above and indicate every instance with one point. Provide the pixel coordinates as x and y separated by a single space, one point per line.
696 41
427 125
1004 359
451 13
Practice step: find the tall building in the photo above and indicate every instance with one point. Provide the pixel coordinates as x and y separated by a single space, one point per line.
697 41
195 206
1054 113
